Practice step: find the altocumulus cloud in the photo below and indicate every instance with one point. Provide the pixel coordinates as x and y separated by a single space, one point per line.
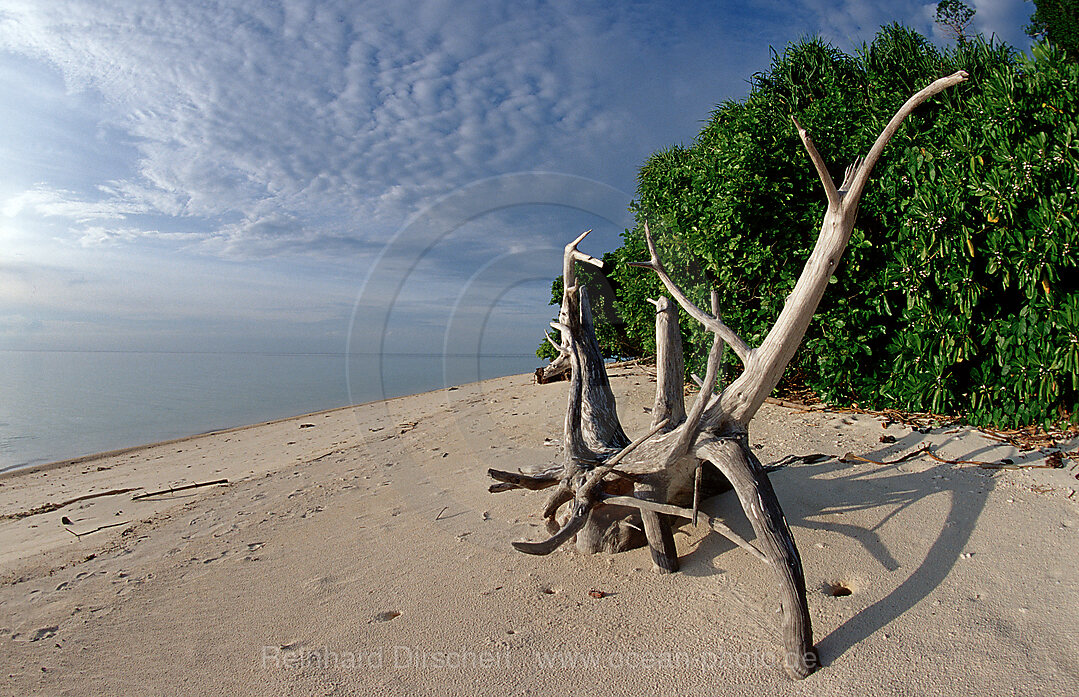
261 121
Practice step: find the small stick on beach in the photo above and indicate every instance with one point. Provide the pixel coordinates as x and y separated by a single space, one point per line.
98 529
174 489
50 507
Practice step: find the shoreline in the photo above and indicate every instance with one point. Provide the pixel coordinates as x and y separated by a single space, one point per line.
15 470
372 529
90 457
103 402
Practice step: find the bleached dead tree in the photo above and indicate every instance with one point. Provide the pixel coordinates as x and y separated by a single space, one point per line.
616 488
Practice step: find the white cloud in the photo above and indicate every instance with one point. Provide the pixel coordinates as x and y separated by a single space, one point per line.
49 202
339 113
336 113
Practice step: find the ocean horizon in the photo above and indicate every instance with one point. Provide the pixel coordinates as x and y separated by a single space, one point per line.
58 405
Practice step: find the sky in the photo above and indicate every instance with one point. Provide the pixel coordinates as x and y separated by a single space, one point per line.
366 176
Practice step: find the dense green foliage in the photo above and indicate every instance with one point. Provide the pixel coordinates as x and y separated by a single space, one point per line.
957 292
987 255
1057 21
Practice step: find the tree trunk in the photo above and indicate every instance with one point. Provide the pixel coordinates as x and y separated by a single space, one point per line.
670 401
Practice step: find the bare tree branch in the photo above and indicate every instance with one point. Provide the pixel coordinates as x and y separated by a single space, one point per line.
818 164
572 527
741 400
670 402
553 343
618 457
693 418
848 175
586 497
569 273
517 480
680 512
558 497
861 176
711 323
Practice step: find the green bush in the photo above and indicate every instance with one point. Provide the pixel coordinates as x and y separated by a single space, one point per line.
1057 21
957 292
986 255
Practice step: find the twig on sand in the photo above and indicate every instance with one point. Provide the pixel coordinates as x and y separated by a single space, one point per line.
173 489
1051 462
50 507
1004 464
849 457
97 529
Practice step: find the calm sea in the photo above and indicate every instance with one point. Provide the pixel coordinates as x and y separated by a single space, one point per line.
59 405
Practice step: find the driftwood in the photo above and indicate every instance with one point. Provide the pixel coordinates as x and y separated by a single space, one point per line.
174 489
50 507
552 372
97 529
616 488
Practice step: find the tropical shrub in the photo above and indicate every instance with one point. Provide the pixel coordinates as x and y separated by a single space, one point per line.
957 293
987 255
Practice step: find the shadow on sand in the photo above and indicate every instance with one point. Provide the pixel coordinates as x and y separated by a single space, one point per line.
814 494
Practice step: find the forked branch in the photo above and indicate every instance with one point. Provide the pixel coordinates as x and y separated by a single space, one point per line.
569 273
561 350
740 401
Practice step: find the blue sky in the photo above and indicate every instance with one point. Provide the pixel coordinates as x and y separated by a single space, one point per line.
302 176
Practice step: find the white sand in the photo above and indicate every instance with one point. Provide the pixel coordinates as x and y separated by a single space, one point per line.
364 555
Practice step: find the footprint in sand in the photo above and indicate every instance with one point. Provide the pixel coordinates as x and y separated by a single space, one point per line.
224 529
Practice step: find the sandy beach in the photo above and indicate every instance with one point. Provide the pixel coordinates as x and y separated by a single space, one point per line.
358 551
